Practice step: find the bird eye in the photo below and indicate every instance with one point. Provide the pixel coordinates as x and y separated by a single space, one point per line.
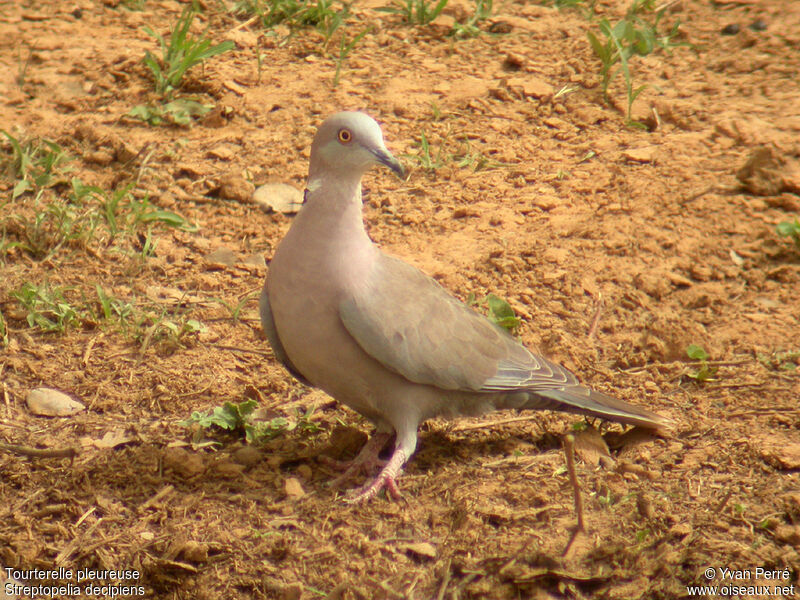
345 136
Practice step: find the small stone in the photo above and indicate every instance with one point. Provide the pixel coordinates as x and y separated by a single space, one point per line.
791 501
784 456
222 153
652 284
640 155
234 187
255 260
420 550
531 86
763 173
305 472
99 157
788 534
221 258
184 463
293 591
293 488
279 197
514 61
195 551
228 469
758 25
248 456
730 29
52 403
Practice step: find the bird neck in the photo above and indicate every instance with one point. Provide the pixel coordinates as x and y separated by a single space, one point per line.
334 204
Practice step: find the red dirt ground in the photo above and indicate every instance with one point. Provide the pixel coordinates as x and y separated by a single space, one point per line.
571 212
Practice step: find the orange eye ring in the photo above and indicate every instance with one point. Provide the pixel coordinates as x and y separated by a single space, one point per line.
345 136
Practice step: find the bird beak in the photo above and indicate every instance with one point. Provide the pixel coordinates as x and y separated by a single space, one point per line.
385 158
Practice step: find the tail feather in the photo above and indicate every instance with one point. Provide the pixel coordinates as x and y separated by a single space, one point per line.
584 401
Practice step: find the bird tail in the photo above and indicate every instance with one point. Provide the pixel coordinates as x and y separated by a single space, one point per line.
584 401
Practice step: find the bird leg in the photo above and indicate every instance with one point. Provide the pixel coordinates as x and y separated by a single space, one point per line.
386 479
367 460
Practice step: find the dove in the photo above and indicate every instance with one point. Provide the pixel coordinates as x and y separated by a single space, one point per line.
385 339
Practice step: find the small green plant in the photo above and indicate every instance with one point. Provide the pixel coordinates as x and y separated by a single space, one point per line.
476 160
779 361
344 51
180 54
498 310
36 164
48 309
630 36
113 308
416 12
501 313
642 535
706 372
180 111
791 230
229 417
585 6
236 310
3 331
424 157
296 14
240 418
483 10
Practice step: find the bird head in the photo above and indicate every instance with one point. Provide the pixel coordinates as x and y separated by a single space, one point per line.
350 142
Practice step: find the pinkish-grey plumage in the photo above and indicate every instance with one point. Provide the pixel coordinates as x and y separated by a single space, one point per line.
381 336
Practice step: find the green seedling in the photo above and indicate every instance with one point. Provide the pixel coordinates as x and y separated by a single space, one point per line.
791 230
143 214
236 310
424 156
296 15
585 6
416 12
42 229
483 10
477 161
229 416
642 535
112 308
780 361
181 111
344 51
630 36
22 65
180 54
48 309
498 311
3 331
36 164
240 418
706 372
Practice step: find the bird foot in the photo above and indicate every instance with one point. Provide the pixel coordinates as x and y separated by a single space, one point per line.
368 460
386 480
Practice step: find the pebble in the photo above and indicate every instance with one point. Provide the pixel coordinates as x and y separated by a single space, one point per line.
731 29
279 197
52 403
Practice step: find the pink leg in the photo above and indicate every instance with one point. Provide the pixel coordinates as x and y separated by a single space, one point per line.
366 460
385 480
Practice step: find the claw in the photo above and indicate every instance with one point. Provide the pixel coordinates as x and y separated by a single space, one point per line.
386 479
367 460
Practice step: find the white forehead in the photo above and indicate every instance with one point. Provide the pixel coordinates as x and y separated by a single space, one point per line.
359 123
